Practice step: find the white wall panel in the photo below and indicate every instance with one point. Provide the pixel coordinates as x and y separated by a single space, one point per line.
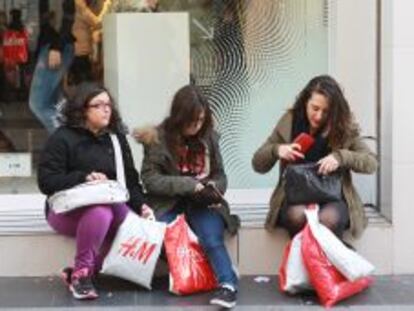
144 67
353 62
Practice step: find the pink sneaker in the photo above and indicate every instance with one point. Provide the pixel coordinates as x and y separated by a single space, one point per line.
82 285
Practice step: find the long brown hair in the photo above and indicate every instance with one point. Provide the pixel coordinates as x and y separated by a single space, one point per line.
340 118
187 104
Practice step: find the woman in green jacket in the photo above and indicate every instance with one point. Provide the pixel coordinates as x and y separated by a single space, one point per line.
322 111
183 172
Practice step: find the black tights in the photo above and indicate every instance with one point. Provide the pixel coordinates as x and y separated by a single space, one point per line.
333 215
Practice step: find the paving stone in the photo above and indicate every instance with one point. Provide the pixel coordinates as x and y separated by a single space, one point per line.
387 293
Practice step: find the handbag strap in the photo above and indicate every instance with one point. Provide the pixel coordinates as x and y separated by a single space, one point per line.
119 162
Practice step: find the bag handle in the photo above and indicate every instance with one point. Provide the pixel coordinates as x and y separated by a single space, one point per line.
119 161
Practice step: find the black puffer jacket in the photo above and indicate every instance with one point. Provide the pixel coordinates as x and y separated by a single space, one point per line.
71 154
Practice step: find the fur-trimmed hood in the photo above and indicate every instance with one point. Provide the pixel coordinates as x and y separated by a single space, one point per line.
147 135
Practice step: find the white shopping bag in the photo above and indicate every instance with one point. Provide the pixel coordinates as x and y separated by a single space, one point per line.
352 265
135 250
293 277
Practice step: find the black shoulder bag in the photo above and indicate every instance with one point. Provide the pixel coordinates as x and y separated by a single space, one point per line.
303 185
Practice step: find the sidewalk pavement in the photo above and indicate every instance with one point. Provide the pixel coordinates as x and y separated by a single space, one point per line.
49 293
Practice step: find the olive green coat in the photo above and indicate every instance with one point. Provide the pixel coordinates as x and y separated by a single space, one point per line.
162 179
354 155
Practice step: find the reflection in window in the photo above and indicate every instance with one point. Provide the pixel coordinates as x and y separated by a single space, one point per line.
251 58
30 30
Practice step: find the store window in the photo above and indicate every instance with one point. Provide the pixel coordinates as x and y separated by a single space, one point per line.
250 57
20 134
30 96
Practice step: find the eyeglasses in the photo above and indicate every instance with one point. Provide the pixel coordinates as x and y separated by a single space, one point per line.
100 105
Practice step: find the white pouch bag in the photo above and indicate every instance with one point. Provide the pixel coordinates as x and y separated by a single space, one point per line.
135 250
293 277
352 265
89 193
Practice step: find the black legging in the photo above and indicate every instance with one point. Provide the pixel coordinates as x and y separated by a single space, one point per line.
333 215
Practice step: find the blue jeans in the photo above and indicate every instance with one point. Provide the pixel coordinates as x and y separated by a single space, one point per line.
46 87
208 225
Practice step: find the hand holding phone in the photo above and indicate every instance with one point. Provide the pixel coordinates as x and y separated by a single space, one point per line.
222 201
208 195
305 141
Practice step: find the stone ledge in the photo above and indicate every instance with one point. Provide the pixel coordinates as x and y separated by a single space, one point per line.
253 250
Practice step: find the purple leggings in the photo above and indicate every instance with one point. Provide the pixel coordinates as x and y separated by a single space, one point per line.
94 228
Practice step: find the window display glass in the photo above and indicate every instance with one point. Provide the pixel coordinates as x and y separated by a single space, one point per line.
249 57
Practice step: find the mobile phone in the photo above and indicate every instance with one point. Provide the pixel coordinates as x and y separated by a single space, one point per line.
215 189
305 141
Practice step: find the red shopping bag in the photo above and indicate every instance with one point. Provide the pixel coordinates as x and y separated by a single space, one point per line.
348 262
15 47
190 271
330 285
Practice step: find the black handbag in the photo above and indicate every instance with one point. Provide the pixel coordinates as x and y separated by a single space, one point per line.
303 185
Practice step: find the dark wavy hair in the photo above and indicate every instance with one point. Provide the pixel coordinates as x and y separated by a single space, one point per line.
73 112
339 117
187 104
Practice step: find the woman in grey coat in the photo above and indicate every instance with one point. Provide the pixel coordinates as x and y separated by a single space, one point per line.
183 172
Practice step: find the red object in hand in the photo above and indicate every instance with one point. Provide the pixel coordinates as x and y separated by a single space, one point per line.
305 141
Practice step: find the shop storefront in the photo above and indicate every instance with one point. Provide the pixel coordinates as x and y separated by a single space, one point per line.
249 57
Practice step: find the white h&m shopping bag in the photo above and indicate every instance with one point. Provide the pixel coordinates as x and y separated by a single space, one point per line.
135 250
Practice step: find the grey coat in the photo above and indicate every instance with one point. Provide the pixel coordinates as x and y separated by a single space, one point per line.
162 179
